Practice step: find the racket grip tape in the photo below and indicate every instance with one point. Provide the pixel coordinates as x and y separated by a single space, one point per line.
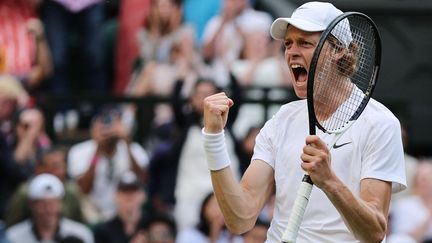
298 210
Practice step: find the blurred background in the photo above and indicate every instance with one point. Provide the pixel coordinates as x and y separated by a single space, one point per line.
402 83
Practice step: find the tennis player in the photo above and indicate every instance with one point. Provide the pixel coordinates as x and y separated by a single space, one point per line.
354 182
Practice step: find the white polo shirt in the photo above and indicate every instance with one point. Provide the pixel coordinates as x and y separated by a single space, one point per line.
23 232
372 149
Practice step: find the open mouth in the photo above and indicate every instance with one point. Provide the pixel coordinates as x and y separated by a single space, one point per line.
300 73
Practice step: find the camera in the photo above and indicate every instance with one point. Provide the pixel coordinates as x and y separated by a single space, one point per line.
107 116
107 119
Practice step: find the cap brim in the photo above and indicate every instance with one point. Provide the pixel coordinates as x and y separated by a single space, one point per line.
279 27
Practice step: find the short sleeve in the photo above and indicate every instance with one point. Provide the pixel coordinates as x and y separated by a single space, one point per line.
264 144
79 158
383 157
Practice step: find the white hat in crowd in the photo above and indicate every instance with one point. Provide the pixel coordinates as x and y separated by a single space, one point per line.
45 186
252 21
313 17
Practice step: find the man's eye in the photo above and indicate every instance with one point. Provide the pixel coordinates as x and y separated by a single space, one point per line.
305 43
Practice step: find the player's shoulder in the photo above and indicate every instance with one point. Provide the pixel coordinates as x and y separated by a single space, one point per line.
293 106
376 108
290 110
377 113
287 113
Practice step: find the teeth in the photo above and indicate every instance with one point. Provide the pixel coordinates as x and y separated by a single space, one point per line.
296 66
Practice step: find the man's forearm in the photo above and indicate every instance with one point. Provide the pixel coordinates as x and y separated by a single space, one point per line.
136 168
24 149
239 210
367 220
43 67
85 182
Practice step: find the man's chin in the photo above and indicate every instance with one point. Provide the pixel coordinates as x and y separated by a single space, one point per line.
300 93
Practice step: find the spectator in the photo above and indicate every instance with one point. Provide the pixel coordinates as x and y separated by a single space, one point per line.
46 225
211 226
261 60
83 20
157 35
27 139
158 64
30 138
22 41
185 62
98 163
129 200
223 37
51 161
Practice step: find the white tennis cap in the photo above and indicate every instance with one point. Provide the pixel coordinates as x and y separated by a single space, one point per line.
45 186
312 17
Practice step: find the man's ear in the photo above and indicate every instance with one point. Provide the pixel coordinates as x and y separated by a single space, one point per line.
338 53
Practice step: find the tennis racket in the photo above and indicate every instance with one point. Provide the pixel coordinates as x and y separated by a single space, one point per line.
341 79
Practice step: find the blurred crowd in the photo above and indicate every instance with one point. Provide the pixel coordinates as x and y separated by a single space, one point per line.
108 186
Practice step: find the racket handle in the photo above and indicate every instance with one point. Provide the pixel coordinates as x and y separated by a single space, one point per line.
298 210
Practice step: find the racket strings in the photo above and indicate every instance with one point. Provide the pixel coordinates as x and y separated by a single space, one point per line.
344 73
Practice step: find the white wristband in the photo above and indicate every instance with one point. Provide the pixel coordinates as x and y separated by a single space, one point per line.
215 149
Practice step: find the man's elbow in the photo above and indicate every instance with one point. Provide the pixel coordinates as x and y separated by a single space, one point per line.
239 228
378 236
375 238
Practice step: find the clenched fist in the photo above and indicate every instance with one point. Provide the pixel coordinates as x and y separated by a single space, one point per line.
216 109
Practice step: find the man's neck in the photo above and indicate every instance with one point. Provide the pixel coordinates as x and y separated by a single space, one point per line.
47 231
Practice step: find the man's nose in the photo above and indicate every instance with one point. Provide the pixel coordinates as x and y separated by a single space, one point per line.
293 50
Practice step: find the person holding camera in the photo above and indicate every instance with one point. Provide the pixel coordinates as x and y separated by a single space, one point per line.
98 163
